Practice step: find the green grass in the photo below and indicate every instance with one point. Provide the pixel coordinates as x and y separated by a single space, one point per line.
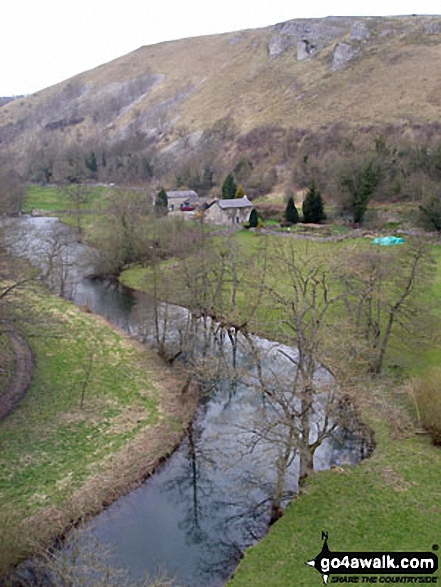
390 502
407 352
6 361
50 435
53 443
54 199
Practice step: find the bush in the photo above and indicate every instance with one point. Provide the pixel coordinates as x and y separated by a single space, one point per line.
254 218
426 391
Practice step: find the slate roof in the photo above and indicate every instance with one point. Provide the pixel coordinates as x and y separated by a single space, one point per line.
184 194
235 203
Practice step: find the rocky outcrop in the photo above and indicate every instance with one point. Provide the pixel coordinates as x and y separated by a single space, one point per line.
343 54
305 49
433 28
359 31
307 36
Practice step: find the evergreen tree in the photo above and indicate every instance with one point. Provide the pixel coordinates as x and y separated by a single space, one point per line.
161 202
239 192
291 213
91 163
254 218
313 206
360 185
229 187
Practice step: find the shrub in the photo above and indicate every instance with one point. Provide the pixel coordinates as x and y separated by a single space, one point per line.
254 218
239 192
426 391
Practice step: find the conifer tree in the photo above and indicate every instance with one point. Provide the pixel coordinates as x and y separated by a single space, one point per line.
312 208
229 187
91 162
161 202
254 218
291 213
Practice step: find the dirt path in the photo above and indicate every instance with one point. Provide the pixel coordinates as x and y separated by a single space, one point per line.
23 371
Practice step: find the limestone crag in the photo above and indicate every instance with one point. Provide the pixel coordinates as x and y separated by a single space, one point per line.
359 31
343 54
308 36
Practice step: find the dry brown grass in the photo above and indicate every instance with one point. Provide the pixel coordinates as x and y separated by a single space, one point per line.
394 79
425 391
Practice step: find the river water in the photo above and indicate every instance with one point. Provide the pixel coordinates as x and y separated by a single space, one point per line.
193 518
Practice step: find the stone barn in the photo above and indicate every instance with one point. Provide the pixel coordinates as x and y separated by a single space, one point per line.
228 212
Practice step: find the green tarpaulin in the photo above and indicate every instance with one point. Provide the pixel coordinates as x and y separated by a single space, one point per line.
388 241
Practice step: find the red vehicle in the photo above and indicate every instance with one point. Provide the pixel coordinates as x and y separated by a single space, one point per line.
186 207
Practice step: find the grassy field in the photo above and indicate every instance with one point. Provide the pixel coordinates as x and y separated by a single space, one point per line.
412 359
55 199
100 412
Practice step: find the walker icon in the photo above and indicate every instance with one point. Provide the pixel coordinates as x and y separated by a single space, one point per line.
373 563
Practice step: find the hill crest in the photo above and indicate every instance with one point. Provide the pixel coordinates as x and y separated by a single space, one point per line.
179 99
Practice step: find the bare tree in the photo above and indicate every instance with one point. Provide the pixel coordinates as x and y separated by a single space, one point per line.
57 262
85 562
78 194
11 192
385 287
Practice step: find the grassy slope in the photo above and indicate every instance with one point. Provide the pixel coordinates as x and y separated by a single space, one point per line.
60 460
394 80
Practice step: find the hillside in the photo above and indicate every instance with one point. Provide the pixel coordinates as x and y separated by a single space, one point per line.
177 107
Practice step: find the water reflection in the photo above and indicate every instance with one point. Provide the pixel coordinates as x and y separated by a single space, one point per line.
212 499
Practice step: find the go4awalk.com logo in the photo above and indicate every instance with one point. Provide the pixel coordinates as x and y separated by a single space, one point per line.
388 567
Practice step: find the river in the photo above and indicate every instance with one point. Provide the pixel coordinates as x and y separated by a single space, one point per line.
194 517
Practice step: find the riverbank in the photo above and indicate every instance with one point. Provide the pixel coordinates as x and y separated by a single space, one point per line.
389 502
101 413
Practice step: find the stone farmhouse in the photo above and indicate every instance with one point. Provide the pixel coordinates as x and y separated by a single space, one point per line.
228 212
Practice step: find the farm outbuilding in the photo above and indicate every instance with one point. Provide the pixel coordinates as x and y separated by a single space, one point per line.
227 212
182 199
